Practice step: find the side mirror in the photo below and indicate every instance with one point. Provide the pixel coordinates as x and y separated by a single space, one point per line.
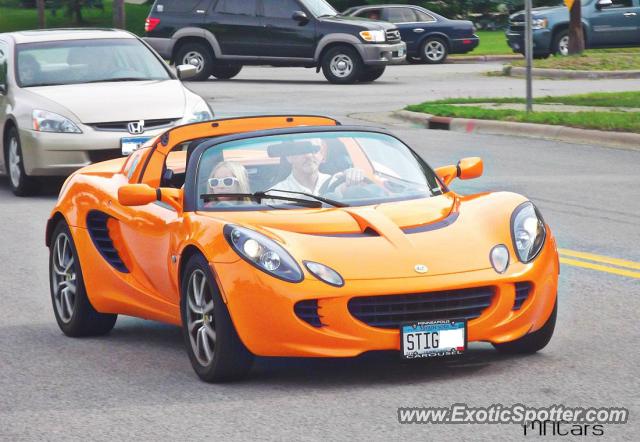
301 17
600 4
466 169
137 195
186 71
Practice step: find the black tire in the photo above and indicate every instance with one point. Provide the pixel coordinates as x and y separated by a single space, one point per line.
230 359
372 73
414 60
541 56
434 50
558 43
199 55
353 66
77 317
21 184
532 342
225 72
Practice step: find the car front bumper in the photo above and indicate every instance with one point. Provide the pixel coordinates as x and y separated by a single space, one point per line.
541 41
383 53
60 154
262 307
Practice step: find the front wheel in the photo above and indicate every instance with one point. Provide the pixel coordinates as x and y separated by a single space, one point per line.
561 43
372 73
434 51
225 72
342 65
73 311
21 184
216 352
532 342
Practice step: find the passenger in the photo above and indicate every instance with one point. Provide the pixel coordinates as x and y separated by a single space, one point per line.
29 70
373 15
228 177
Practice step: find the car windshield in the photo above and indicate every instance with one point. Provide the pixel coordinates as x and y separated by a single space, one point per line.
86 61
315 169
320 8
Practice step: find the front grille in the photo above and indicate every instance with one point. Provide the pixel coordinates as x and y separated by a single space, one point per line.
516 27
97 156
390 311
308 312
523 290
393 36
122 126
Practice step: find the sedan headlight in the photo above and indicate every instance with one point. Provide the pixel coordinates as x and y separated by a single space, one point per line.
198 113
44 121
528 231
373 36
263 253
539 23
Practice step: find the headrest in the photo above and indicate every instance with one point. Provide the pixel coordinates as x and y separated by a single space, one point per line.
292 148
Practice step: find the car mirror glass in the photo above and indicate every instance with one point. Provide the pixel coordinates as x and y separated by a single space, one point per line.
603 4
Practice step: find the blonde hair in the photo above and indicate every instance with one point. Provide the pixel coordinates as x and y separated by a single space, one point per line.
238 171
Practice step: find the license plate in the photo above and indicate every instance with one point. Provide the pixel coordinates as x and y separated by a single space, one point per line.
400 52
130 144
428 339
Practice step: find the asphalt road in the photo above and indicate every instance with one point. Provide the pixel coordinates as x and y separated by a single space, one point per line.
137 382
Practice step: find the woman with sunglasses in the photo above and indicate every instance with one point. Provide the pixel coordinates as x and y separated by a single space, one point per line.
228 177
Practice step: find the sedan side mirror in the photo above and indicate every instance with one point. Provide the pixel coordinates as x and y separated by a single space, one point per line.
466 169
186 71
603 4
301 17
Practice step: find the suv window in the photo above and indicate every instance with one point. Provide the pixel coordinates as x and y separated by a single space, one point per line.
280 8
423 16
4 50
400 15
620 4
244 7
178 5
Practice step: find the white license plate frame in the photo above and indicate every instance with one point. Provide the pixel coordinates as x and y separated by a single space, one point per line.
437 338
128 145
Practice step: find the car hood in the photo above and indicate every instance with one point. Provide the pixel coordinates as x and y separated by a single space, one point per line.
118 101
364 23
447 233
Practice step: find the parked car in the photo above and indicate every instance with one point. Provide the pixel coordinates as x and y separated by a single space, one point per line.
605 23
69 98
295 236
430 37
221 36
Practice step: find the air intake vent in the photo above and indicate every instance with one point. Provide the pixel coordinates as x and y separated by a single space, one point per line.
308 312
523 289
390 311
99 232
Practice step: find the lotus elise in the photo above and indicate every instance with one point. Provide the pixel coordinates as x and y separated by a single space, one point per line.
297 236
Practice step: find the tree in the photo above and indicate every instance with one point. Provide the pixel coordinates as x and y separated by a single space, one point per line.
576 35
119 18
42 20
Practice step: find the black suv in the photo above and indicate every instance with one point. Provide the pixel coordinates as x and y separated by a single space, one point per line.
220 36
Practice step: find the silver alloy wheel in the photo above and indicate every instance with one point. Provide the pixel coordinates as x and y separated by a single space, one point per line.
200 318
64 278
434 50
563 45
341 65
194 58
14 162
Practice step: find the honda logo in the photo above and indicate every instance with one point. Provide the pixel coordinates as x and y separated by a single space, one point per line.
136 127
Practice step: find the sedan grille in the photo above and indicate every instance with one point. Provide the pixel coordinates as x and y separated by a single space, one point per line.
390 311
393 36
123 126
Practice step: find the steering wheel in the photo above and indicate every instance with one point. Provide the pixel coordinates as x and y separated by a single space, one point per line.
330 186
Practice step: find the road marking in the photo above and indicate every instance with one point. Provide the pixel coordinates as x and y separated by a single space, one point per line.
599 258
599 267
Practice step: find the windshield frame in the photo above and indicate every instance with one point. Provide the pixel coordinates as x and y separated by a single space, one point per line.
317 14
18 46
191 196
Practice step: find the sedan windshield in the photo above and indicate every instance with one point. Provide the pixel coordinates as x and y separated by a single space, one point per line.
320 8
316 169
86 61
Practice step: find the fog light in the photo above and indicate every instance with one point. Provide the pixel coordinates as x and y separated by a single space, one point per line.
324 273
499 257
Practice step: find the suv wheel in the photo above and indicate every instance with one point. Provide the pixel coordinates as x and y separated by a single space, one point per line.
21 184
198 55
225 72
342 65
372 73
561 43
434 51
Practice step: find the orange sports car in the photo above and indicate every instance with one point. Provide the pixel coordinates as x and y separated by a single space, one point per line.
297 236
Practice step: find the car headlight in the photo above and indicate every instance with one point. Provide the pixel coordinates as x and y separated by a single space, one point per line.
539 23
324 273
263 253
44 121
528 231
499 258
198 113
373 36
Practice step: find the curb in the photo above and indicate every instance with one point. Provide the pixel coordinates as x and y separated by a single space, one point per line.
482 58
515 71
617 140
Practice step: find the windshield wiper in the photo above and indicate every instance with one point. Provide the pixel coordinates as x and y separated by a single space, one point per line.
328 201
113 80
259 196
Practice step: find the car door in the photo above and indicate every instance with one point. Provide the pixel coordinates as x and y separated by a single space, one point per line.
236 26
284 36
4 90
407 23
614 24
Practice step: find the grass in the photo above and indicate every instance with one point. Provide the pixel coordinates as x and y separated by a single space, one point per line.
17 19
492 43
610 121
592 60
